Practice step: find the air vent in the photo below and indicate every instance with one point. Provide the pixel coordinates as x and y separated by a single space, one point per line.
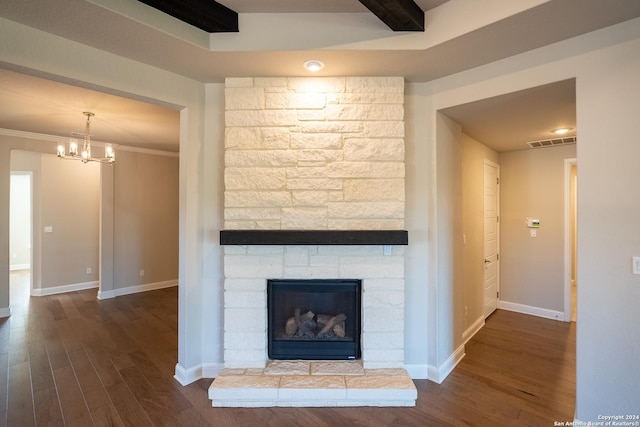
553 142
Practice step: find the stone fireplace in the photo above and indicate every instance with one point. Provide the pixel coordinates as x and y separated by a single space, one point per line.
314 192
245 299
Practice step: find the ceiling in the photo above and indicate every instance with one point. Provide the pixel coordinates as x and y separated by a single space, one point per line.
277 36
39 105
508 122
309 6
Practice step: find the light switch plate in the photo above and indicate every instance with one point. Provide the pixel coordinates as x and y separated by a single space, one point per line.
635 264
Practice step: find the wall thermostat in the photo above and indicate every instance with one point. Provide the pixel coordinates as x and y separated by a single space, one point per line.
533 223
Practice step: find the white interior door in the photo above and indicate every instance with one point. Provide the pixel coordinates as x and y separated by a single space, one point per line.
491 237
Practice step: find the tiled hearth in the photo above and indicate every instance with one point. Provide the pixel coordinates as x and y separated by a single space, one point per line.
312 383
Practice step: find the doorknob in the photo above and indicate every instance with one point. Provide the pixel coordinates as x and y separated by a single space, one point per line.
487 261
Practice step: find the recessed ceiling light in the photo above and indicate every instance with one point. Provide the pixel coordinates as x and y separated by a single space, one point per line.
561 131
314 65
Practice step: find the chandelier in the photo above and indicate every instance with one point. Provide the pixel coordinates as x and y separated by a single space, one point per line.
84 154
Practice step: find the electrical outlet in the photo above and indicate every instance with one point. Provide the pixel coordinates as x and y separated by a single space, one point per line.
141 273
89 270
635 265
466 310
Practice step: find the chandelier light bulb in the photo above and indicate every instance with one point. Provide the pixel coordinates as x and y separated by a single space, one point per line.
108 152
73 147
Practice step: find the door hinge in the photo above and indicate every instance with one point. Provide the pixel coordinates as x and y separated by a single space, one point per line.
497 180
498 295
497 218
497 257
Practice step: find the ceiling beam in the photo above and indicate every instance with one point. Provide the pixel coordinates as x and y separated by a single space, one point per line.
208 15
399 15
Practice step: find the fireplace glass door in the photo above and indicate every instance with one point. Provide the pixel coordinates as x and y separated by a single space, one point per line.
314 319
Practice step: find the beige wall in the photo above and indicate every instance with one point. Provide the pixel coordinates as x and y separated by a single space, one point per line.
65 196
69 199
532 268
474 153
145 219
461 212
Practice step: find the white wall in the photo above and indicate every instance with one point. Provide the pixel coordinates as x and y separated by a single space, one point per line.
449 303
419 329
212 201
608 93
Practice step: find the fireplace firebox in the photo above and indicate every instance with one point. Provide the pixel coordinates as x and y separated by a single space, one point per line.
314 319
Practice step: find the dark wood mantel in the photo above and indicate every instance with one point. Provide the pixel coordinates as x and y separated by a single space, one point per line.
314 237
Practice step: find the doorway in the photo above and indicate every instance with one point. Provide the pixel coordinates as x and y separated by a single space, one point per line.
20 235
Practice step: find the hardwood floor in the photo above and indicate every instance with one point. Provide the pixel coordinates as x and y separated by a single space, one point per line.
71 360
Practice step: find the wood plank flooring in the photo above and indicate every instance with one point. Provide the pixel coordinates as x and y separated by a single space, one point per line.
71 360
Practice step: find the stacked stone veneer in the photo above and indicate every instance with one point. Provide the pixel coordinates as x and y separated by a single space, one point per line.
314 154
304 153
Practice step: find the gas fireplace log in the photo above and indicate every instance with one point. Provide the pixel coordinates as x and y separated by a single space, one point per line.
304 323
323 319
332 322
339 330
290 327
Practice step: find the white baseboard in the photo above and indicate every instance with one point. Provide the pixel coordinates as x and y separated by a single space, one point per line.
187 376
473 329
437 374
204 370
418 372
5 312
41 292
534 311
211 370
105 294
136 289
14 267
